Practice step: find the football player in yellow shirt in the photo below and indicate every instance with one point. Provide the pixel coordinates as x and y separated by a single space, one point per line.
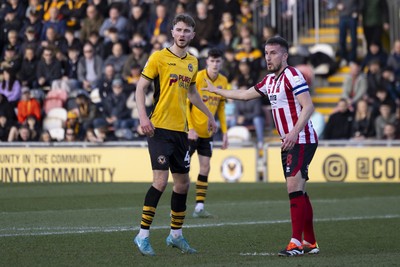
173 71
200 139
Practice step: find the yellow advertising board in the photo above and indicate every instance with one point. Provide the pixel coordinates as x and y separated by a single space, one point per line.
343 164
110 164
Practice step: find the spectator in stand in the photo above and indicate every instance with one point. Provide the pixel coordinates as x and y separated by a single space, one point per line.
363 124
69 40
52 40
375 53
105 83
87 112
10 87
30 40
244 32
11 60
115 112
7 109
354 85
97 42
23 134
48 69
102 7
17 7
34 7
70 74
394 59
10 22
385 116
390 132
348 22
70 135
227 23
28 106
245 17
392 84
90 68
92 22
230 66
73 12
108 46
137 21
340 123
382 96
138 56
54 22
7 128
226 40
117 21
117 58
205 33
375 20
12 40
35 127
45 137
34 22
73 124
158 23
374 80
250 54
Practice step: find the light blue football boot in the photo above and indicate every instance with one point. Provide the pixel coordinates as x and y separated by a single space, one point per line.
144 246
180 243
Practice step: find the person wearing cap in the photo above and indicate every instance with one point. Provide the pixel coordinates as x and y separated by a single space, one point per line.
115 112
138 55
11 59
28 106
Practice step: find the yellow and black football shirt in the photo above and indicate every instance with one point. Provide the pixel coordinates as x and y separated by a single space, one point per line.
197 120
172 78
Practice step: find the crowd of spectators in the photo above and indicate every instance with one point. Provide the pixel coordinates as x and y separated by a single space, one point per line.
85 57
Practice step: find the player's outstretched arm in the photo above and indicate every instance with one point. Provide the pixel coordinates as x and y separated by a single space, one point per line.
248 94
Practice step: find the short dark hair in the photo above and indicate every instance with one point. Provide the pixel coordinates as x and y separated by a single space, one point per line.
185 18
215 53
279 41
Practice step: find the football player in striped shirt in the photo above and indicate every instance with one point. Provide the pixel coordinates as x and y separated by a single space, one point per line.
292 108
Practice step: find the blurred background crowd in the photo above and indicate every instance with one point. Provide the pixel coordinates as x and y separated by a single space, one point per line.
69 68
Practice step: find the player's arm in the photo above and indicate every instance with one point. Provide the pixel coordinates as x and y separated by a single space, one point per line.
307 110
222 120
192 135
196 100
141 89
248 94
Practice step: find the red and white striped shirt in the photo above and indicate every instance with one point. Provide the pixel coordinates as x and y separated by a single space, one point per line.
282 92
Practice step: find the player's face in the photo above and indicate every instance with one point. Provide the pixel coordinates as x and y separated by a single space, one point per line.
182 34
275 57
214 65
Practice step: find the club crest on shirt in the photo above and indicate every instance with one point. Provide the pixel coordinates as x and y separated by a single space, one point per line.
190 67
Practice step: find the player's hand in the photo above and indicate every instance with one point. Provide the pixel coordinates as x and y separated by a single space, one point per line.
224 141
289 141
212 125
210 87
192 135
147 127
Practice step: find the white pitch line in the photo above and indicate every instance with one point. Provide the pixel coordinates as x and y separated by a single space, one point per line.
86 230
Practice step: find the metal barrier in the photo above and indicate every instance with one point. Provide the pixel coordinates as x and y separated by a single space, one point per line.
291 18
394 16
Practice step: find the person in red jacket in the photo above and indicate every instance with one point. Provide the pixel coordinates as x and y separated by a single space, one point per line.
28 106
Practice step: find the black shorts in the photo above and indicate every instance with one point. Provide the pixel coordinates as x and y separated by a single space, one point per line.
298 159
204 146
169 150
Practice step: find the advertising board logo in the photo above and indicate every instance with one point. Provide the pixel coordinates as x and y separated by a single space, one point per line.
335 168
232 169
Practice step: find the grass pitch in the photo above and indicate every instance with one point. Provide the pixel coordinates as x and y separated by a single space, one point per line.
93 225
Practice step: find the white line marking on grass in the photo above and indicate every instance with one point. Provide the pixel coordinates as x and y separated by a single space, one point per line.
29 231
257 254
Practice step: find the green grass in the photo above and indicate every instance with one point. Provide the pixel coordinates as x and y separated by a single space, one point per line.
93 225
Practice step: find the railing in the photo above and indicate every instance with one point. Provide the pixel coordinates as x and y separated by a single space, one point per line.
291 19
394 16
